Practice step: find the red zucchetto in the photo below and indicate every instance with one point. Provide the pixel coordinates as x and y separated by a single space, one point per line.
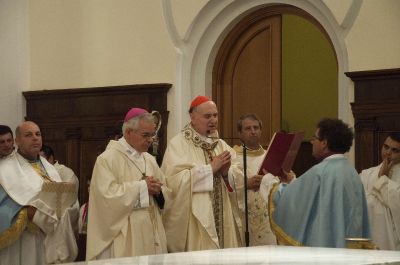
134 112
200 99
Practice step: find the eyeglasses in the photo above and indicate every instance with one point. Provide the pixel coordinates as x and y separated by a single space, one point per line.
146 135
315 138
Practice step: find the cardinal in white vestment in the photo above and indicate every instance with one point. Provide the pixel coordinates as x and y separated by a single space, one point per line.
207 183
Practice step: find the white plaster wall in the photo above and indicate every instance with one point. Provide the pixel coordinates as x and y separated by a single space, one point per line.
93 43
184 12
14 60
338 8
374 40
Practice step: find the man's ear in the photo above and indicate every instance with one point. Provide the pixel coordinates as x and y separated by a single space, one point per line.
128 131
325 144
191 115
51 159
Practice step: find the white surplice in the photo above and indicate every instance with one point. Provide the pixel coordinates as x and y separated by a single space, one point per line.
55 241
260 232
383 199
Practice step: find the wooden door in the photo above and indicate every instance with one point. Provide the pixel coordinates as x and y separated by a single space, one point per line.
247 70
247 75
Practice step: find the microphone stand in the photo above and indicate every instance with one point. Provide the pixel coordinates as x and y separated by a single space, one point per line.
246 233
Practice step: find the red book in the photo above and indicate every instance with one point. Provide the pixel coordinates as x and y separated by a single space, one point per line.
281 153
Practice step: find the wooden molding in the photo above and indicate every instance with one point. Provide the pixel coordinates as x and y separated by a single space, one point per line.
79 123
374 74
376 111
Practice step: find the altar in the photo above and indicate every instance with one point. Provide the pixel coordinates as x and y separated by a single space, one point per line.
263 255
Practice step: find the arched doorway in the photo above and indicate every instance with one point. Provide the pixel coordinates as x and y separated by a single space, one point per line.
247 77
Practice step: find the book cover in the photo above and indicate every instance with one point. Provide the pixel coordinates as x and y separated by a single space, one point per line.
281 152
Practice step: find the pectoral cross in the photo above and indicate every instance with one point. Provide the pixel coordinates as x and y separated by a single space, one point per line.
151 210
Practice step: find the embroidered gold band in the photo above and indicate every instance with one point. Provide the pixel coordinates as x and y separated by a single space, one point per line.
32 227
362 245
11 235
281 236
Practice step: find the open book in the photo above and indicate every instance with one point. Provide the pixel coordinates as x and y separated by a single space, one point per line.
281 153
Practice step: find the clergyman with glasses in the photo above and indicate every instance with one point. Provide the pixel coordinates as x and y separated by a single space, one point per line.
127 195
326 204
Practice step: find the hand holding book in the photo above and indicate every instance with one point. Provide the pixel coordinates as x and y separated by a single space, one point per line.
281 153
254 182
286 177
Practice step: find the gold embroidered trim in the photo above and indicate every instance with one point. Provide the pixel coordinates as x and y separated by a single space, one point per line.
59 190
32 227
190 134
217 204
281 236
252 153
38 169
362 245
84 227
11 235
216 199
41 172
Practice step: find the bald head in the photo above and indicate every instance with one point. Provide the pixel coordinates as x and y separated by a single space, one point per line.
28 139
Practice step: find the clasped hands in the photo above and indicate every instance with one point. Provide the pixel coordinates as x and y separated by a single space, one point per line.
153 185
221 163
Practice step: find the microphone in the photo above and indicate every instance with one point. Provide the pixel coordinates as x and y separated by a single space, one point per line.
247 235
220 138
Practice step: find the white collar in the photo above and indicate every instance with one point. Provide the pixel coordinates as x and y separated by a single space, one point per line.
130 151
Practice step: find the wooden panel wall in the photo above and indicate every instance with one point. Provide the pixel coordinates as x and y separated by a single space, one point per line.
78 123
376 110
